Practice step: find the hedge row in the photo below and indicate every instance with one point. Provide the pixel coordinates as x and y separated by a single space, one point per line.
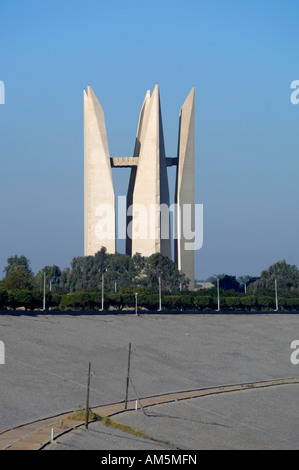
32 300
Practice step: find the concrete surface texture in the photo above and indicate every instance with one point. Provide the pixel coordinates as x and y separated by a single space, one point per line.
46 360
249 420
149 184
184 193
99 198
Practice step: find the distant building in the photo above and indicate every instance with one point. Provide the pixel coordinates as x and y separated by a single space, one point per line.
203 285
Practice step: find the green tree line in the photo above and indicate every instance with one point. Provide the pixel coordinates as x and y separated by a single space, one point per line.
125 299
80 286
87 273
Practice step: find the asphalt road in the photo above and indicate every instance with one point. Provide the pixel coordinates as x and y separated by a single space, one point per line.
46 360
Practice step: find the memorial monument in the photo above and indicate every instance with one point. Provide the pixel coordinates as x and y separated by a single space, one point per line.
148 228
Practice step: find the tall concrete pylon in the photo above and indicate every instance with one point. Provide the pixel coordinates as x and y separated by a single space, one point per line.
184 192
99 197
147 218
148 226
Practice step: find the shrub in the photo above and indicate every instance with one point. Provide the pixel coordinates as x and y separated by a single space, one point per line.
53 300
187 302
265 302
148 301
80 414
3 298
290 304
171 302
249 301
233 303
203 302
19 298
129 300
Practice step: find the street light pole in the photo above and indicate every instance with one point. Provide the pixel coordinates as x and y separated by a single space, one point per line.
44 299
276 298
160 300
50 290
136 308
102 292
218 294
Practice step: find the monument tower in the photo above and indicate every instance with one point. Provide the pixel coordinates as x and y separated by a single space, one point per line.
147 218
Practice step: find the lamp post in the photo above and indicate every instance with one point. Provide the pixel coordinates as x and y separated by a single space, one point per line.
136 308
50 290
102 292
276 298
160 300
44 299
218 293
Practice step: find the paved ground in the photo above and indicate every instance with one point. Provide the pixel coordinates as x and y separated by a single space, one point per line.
253 419
46 359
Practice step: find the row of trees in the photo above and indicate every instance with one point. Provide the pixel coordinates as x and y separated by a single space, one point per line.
125 299
286 276
84 273
117 278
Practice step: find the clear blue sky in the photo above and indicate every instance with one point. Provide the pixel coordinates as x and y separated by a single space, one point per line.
240 56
